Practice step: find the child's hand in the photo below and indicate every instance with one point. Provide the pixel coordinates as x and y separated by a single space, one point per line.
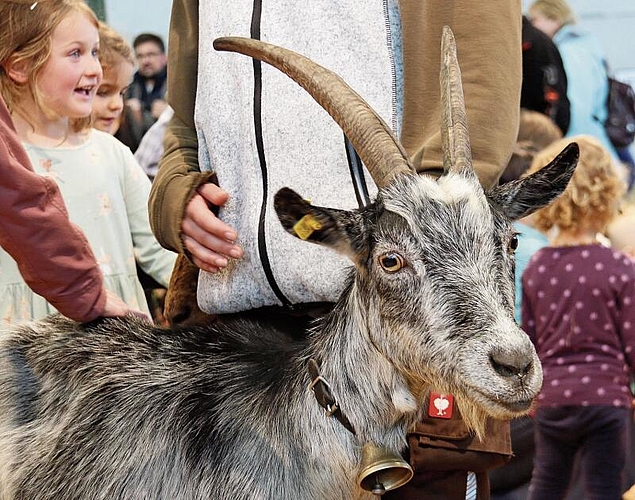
157 107
134 104
116 307
208 239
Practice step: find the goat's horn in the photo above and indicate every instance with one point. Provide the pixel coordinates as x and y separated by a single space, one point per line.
457 156
373 140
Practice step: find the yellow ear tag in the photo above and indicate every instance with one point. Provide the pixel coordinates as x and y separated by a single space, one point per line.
305 226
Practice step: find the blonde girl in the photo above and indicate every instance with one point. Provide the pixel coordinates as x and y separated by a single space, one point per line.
49 74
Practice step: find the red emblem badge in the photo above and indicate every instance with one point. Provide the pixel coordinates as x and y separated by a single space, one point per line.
441 405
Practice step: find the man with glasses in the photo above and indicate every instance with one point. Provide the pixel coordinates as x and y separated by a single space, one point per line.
145 98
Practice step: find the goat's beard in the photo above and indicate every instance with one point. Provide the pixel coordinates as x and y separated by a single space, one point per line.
474 416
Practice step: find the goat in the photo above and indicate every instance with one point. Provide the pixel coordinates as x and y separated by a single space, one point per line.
120 409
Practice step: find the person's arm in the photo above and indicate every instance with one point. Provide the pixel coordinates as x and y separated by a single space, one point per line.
155 260
179 174
488 36
52 254
182 196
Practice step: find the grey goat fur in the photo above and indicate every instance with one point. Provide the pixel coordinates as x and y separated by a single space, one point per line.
120 409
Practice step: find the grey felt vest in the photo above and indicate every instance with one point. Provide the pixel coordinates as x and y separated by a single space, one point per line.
302 147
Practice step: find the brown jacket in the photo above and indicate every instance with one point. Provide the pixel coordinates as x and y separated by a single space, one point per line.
52 254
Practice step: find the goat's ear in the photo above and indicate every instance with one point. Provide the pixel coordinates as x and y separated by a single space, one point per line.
338 229
522 197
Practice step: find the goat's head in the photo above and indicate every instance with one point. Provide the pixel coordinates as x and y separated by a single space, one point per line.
434 257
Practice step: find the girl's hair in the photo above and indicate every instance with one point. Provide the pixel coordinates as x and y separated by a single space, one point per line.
112 48
536 132
556 10
593 195
26 28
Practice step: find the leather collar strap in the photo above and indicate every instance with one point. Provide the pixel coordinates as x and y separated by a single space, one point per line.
324 396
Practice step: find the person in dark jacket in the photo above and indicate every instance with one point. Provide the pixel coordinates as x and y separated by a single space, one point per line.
145 98
544 87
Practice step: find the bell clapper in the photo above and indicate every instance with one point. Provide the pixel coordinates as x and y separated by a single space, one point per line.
378 488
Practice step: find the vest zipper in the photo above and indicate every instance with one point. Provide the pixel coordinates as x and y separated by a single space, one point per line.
393 69
262 246
354 162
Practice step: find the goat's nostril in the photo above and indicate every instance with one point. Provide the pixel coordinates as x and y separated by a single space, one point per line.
510 368
526 369
502 369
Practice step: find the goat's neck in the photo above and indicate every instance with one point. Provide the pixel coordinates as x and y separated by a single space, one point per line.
371 392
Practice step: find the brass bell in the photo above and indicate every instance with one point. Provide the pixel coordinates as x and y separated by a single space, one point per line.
382 470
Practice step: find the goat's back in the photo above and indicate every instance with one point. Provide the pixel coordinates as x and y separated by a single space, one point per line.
121 409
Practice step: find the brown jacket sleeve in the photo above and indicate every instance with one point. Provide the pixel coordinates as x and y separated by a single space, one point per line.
488 36
179 174
52 254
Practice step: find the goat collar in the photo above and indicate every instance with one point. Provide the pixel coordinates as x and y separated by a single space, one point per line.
324 396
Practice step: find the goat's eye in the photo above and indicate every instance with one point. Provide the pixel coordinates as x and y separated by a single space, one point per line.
513 243
391 262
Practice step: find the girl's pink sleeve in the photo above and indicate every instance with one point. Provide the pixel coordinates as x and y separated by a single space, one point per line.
52 254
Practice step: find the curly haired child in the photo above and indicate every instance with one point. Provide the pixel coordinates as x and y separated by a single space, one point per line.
577 307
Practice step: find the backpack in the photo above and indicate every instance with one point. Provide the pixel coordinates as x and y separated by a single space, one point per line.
620 121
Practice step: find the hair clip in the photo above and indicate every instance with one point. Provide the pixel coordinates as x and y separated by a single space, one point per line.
33 5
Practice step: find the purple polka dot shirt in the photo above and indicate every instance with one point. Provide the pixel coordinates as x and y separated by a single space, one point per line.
578 309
